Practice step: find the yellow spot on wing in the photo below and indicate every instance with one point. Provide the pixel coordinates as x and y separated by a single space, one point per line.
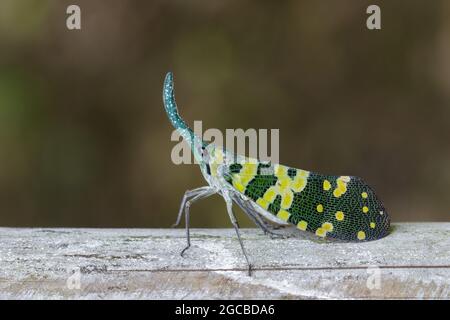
299 181
321 232
283 215
341 186
284 182
302 225
248 172
361 235
326 185
364 195
319 208
339 216
298 184
328 226
238 185
372 225
287 200
302 173
246 179
365 209
263 203
336 193
271 194
249 168
280 171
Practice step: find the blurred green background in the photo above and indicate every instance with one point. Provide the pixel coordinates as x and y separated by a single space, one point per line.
84 140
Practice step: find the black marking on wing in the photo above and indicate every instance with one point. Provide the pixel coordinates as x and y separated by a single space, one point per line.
259 185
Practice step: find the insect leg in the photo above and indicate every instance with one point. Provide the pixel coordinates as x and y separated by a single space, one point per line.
188 194
251 214
236 228
256 218
205 193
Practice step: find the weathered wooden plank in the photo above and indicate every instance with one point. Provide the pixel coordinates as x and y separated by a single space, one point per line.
413 262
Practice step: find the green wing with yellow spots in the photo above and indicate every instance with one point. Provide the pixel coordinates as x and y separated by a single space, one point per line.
341 207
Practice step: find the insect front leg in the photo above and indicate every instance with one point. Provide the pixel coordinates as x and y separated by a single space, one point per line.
203 194
229 203
188 194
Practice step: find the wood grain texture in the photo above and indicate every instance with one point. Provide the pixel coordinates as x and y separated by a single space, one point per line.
413 262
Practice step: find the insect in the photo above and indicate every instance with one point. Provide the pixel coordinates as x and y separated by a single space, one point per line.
340 207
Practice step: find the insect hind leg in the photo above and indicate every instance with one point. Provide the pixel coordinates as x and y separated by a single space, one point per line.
251 214
256 218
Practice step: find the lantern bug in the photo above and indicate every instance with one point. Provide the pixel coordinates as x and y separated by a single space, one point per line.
340 207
